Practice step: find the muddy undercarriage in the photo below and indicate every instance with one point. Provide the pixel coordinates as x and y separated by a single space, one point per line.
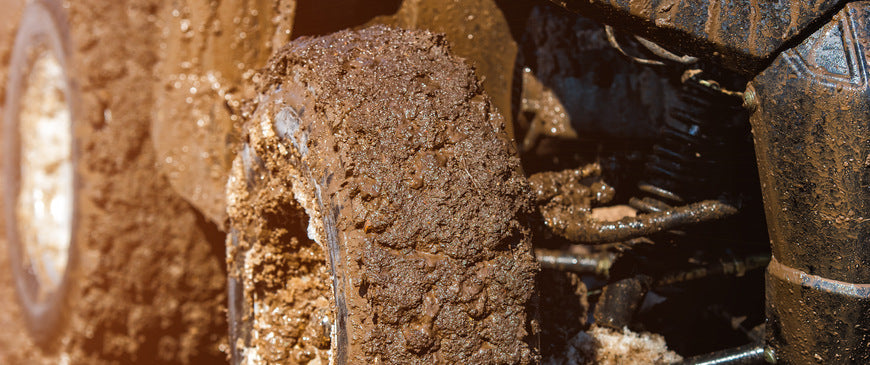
476 182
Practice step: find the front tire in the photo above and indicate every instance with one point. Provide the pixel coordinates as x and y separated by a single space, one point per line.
378 211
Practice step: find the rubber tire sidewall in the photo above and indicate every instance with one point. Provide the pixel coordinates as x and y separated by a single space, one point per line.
44 24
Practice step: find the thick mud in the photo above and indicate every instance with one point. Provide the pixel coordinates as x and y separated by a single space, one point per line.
286 301
420 202
150 283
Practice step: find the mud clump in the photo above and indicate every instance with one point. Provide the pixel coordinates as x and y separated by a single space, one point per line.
286 284
415 192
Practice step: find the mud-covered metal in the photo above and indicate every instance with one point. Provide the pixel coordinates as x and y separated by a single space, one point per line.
740 34
598 265
620 300
811 128
738 266
586 229
815 320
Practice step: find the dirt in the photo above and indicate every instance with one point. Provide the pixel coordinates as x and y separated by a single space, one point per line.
9 20
280 262
478 31
434 261
150 279
416 194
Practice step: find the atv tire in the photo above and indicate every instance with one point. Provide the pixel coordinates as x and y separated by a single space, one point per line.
141 279
377 210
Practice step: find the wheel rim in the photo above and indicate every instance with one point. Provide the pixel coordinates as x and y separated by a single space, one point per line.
44 204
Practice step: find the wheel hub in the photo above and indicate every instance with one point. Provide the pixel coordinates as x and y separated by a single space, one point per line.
44 209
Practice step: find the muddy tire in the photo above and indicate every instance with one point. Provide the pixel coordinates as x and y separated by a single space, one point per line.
39 180
137 274
377 211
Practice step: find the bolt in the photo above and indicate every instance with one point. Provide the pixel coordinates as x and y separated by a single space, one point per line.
750 100
769 355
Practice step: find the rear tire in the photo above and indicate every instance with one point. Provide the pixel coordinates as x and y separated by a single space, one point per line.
144 280
43 249
378 213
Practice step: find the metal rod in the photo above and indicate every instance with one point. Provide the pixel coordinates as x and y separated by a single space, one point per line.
593 265
663 53
737 267
648 205
611 37
751 354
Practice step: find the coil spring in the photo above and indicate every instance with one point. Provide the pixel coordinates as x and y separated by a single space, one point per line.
691 161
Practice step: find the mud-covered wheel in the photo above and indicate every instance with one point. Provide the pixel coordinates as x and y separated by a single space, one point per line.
377 211
39 179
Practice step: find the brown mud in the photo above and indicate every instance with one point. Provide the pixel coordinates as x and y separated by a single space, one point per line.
437 266
150 284
416 194
567 198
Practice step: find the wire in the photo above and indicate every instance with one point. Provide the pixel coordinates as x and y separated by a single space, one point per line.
663 53
611 37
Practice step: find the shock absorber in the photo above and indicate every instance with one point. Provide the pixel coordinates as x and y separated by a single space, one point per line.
691 160
689 164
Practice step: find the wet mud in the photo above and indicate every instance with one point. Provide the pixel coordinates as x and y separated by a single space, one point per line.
416 195
567 197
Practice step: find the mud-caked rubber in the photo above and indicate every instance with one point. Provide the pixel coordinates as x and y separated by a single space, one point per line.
144 283
377 180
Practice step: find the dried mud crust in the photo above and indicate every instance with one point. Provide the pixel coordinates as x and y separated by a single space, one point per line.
418 209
